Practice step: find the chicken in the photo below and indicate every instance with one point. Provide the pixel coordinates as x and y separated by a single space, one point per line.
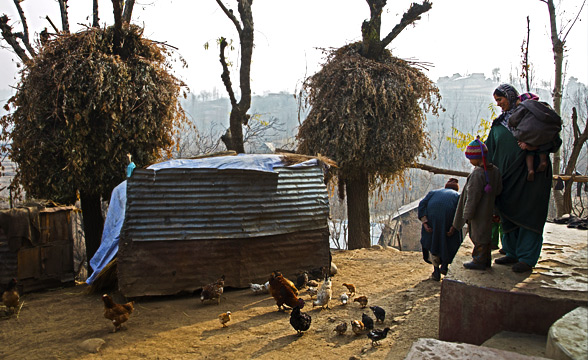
312 283
362 300
301 280
324 294
213 290
350 287
284 291
357 327
341 328
10 297
344 298
117 313
379 313
224 318
367 321
377 335
311 290
258 288
300 321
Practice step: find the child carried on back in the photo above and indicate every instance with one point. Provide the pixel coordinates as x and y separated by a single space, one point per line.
536 126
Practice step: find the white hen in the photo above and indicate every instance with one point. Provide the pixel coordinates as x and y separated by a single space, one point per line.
324 294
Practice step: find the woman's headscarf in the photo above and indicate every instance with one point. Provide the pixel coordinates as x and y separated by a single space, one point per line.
512 95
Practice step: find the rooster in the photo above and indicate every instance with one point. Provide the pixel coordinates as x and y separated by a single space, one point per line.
300 321
284 291
10 297
117 313
213 290
301 280
324 294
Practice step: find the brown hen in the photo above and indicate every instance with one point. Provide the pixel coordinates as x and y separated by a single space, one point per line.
213 290
10 297
117 313
284 291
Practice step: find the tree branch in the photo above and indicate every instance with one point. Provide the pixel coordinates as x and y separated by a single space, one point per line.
10 38
225 76
25 29
413 14
436 170
52 24
127 13
95 18
230 15
64 17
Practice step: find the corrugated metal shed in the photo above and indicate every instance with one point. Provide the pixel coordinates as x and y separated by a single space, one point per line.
186 227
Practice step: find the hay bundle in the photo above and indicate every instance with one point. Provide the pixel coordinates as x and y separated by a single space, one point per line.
367 115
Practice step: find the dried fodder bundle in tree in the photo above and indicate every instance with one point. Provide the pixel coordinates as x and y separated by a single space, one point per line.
367 115
83 104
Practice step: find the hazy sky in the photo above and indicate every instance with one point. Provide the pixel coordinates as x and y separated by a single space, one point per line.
456 36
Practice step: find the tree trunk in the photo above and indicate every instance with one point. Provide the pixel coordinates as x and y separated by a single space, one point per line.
558 52
95 18
358 211
93 223
579 139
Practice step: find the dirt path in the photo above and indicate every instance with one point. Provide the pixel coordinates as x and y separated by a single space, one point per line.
53 324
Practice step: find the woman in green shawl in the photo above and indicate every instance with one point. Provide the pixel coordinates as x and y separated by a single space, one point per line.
523 204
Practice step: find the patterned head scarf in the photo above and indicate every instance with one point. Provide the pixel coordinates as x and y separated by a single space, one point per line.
512 95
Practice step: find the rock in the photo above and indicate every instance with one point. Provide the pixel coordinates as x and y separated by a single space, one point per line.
92 345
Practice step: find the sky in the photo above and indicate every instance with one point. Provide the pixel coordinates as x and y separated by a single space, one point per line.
455 36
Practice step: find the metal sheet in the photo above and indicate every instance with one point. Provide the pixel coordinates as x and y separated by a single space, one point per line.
184 228
192 204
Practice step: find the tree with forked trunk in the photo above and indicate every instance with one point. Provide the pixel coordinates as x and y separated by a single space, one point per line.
367 112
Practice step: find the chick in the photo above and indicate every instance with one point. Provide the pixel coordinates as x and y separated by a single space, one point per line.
224 318
344 298
350 287
258 288
367 321
357 327
379 313
312 283
311 290
341 328
362 300
10 297
377 335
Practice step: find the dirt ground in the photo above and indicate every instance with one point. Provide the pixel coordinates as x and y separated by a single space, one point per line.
54 324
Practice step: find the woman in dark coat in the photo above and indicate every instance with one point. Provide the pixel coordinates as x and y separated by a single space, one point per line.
523 204
436 211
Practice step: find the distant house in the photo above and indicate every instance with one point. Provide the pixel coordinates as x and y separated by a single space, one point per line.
403 231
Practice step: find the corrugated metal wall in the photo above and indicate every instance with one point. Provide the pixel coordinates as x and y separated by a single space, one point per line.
186 227
192 204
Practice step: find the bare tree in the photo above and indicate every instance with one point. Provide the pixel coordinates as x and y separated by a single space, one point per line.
558 41
233 137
